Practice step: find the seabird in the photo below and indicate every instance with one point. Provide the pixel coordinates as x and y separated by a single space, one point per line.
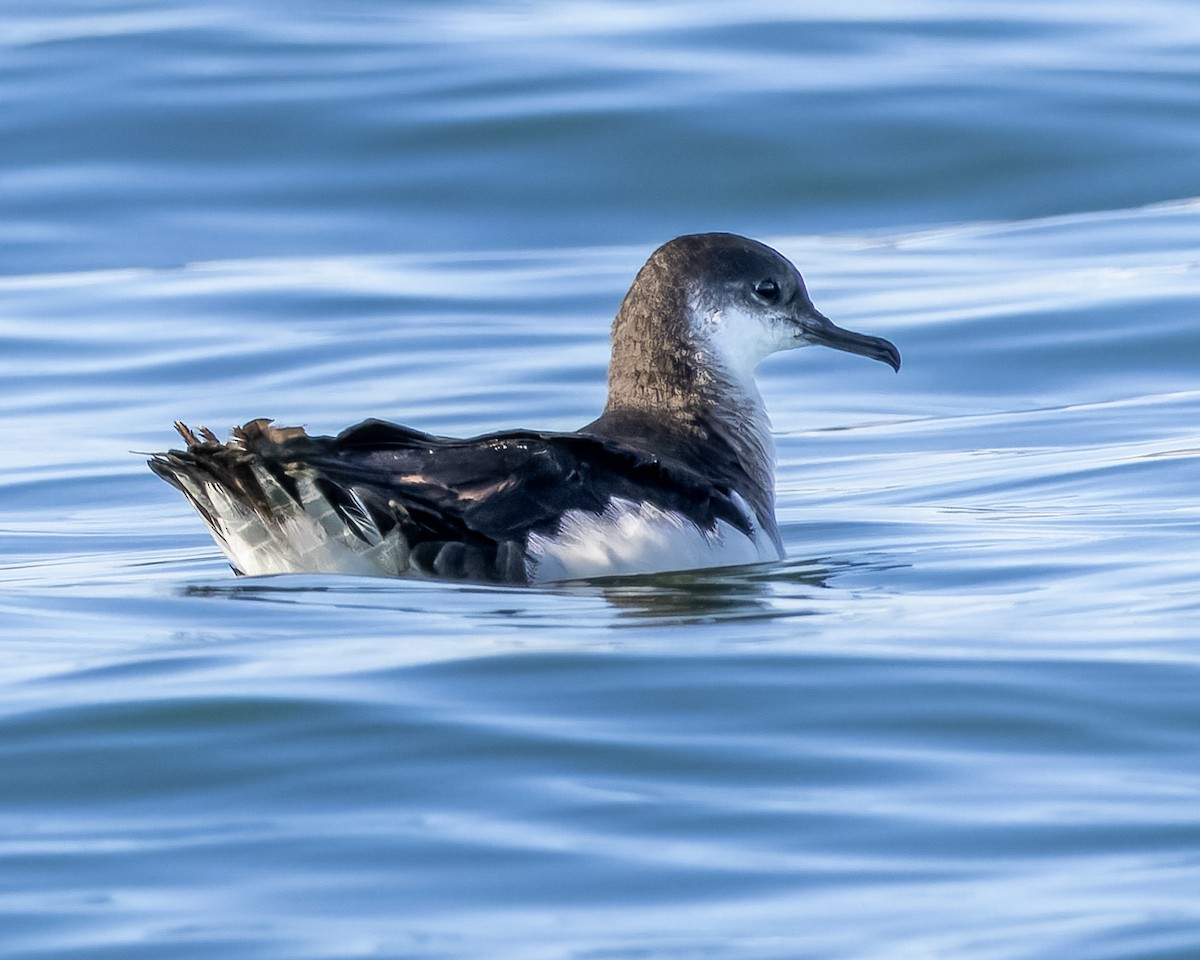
676 473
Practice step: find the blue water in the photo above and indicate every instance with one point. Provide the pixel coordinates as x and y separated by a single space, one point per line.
960 722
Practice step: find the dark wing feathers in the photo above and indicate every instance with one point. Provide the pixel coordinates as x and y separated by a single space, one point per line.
499 487
465 507
506 485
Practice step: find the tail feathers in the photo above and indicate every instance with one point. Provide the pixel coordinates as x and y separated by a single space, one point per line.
269 514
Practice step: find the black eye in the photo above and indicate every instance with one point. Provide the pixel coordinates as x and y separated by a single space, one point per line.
768 289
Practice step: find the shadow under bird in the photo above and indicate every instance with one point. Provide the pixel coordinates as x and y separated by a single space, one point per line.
676 473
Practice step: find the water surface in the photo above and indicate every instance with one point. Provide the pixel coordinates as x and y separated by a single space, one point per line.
958 721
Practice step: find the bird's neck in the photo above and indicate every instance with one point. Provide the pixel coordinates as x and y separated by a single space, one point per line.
668 390
717 426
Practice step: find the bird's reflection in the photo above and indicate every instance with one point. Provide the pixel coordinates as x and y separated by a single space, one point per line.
705 596
764 591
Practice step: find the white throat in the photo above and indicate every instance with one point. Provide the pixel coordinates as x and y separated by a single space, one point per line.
730 343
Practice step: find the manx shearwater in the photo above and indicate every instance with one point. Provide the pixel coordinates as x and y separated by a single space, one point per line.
676 473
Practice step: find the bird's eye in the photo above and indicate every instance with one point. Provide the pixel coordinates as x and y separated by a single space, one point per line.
768 289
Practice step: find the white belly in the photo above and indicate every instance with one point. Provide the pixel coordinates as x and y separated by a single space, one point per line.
630 538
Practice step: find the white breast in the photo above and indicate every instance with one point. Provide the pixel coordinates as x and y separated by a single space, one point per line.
630 538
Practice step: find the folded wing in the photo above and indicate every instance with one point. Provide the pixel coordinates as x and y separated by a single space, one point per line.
384 499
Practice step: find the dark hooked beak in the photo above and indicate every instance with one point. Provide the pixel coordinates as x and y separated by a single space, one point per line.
820 329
